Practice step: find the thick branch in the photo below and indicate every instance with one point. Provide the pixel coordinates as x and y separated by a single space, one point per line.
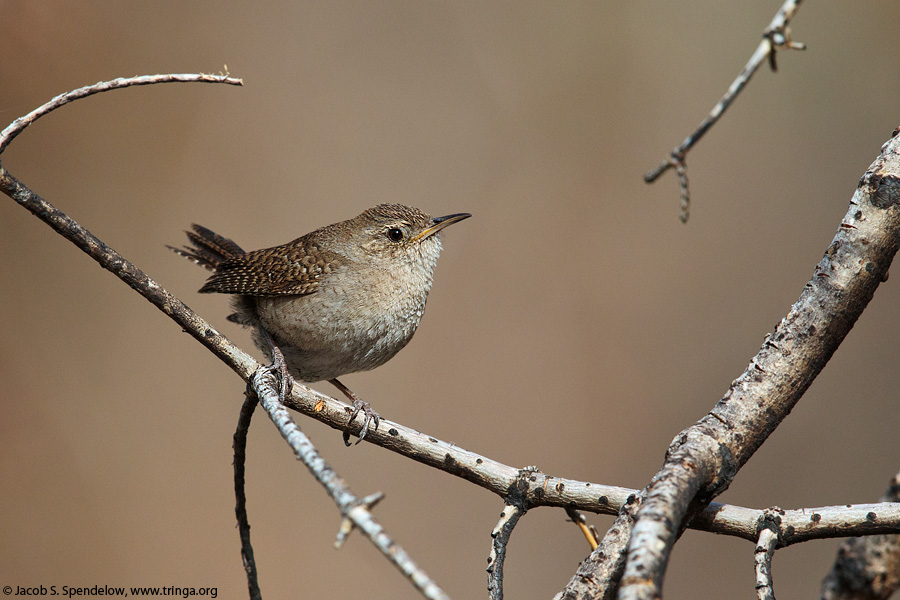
706 457
597 577
702 460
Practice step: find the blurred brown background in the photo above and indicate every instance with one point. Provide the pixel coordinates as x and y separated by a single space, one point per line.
575 323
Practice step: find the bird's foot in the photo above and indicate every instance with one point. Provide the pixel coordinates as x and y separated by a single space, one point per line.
279 368
285 381
369 415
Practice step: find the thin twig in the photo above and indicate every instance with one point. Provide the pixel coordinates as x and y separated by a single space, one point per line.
19 125
499 539
775 37
590 534
240 506
684 212
353 510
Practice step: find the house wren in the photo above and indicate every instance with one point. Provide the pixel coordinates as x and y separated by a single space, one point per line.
341 299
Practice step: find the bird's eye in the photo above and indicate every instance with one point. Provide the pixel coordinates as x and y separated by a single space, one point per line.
395 234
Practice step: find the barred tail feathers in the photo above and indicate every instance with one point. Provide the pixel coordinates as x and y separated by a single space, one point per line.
209 249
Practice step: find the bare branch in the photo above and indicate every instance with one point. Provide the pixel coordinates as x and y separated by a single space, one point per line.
803 524
19 125
866 568
499 539
765 549
242 363
543 490
775 37
800 347
353 510
703 459
240 506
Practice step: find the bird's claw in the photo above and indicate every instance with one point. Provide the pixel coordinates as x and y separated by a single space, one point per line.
278 368
369 416
282 378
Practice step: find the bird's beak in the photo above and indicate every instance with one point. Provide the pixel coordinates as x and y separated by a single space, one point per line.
439 223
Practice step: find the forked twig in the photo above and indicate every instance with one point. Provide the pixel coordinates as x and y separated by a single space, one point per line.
776 36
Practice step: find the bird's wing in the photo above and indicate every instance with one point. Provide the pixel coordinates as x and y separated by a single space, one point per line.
289 269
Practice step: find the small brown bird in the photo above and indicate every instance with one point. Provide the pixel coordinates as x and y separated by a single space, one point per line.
341 299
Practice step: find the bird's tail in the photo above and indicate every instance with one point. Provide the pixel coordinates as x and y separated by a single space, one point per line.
209 249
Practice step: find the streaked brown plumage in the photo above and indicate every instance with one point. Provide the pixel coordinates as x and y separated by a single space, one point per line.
344 298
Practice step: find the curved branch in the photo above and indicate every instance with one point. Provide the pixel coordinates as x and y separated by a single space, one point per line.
240 505
19 125
499 539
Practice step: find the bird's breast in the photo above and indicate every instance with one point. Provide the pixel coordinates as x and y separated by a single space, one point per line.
351 323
